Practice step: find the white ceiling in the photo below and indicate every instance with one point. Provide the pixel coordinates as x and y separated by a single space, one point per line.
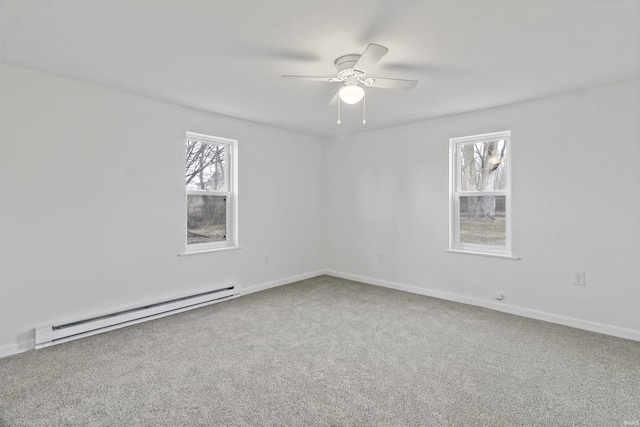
227 56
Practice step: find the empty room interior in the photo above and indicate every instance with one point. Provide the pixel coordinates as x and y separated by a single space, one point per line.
332 213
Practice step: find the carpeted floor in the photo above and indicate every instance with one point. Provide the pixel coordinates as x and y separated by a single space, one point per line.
328 352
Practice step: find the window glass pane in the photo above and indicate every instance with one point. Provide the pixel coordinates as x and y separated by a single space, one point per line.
206 218
205 166
482 165
483 220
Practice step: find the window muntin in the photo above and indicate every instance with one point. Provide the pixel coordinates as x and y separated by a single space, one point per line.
480 194
210 197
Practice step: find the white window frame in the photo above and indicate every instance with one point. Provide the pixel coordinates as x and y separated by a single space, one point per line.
230 191
455 245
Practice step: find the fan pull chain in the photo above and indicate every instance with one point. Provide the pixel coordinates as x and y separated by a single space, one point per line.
339 111
364 109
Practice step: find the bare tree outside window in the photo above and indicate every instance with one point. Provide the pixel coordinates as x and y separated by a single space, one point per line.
205 173
482 168
480 192
483 220
205 165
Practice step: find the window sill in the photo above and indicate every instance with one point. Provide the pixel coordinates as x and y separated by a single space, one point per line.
459 251
207 251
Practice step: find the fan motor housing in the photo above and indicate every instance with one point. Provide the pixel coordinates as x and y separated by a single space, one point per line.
344 66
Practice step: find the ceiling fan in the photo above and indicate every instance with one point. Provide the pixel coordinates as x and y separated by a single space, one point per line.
352 72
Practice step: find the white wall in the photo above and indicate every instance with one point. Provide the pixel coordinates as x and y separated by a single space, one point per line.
576 207
91 200
92 197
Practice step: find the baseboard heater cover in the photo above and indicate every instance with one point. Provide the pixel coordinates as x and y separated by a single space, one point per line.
57 334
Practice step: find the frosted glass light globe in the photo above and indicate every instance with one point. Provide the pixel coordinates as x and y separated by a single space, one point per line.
351 94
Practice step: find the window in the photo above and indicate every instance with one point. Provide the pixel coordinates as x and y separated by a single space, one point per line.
210 166
480 193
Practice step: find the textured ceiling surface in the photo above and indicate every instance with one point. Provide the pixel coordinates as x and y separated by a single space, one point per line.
227 56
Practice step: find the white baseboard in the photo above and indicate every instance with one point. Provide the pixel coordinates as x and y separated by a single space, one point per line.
280 282
10 350
602 328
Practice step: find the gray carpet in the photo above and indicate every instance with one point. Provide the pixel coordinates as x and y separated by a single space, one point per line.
328 352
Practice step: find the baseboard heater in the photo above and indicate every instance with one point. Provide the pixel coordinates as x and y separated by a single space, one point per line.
57 334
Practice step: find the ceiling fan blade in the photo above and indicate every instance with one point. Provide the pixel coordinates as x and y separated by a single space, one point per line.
312 78
390 83
370 57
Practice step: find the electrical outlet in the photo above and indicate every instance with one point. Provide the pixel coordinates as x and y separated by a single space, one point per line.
381 257
266 259
578 278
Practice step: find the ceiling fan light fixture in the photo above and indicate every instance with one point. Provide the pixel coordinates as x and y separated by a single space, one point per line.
351 94
352 70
